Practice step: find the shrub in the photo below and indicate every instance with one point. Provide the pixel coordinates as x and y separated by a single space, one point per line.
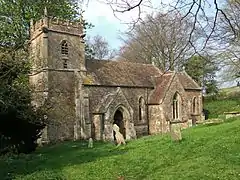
20 122
18 134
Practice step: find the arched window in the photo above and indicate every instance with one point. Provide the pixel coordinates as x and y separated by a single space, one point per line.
176 106
141 109
64 48
194 105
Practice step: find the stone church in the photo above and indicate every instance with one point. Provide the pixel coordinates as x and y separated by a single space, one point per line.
86 97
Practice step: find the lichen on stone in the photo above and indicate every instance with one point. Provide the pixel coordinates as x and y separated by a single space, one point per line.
88 79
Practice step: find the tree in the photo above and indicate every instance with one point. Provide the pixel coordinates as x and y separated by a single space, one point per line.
196 9
20 122
161 39
203 13
203 71
206 15
229 54
99 48
15 18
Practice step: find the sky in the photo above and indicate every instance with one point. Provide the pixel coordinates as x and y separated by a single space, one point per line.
109 26
105 24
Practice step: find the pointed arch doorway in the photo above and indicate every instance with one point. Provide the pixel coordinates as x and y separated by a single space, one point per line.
119 121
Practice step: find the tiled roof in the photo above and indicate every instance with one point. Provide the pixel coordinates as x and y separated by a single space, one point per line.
121 73
162 84
187 82
124 73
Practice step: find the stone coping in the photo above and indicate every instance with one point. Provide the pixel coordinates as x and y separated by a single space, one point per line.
233 112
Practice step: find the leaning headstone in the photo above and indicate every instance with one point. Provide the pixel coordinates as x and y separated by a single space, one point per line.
119 137
116 128
90 143
175 130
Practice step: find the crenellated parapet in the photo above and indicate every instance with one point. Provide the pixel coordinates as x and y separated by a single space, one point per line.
57 25
65 23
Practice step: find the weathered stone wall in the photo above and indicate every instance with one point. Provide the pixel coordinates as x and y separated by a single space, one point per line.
158 121
97 94
167 104
65 26
161 115
61 116
61 81
61 99
46 36
39 85
36 53
190 94
55 84
141 130
75 58
186 101
120 102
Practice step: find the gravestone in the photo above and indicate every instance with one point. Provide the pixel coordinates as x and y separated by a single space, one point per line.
90 143
175 130
119 137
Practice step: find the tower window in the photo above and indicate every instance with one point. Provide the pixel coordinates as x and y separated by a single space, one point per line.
65 64
64 48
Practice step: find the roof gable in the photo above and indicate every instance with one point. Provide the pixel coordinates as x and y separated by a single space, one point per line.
187 82
109 99
164 82
162 85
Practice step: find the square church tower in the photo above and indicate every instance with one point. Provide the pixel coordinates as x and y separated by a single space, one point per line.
58 64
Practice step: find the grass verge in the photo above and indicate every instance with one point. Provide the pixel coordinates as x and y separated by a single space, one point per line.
206 152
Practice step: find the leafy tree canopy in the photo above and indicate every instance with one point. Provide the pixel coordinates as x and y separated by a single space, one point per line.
15 17
20 122
203 71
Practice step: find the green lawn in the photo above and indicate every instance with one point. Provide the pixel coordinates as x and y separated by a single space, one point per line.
230 91
219 106
227 100
206 152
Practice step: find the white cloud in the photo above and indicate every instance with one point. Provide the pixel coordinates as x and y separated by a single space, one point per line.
107 25
95 9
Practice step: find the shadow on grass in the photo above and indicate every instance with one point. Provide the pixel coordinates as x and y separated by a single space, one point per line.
50 160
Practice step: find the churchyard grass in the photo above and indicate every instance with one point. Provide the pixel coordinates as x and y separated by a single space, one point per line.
228 100
206 152
218 107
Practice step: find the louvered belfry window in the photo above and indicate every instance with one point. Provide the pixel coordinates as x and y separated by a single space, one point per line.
64 48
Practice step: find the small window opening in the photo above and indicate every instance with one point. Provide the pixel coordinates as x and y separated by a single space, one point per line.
64 48
176 106
194 110
141 109
65 66
140 112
